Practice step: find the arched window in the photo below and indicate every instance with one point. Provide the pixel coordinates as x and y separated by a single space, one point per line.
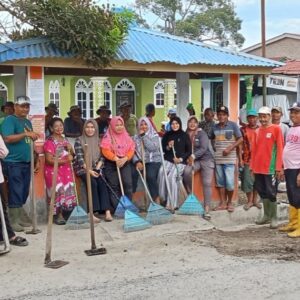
159 94
3 92
84 97
107 94
125 91
54 93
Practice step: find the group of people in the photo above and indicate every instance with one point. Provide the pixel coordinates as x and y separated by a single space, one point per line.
168 158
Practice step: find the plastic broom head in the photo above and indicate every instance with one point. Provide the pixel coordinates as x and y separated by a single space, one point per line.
124 204
78 219
158 215
134 222
191 206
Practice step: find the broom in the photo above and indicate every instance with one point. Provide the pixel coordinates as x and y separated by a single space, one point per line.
132 221
182 194
192 205
78 218
156 213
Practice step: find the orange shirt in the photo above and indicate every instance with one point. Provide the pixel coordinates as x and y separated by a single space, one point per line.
266 156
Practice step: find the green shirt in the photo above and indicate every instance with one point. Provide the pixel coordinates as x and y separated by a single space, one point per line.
19 151
131 125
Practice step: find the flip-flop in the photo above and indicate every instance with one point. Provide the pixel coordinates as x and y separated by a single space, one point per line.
230 208
19 241
207 216
258 205
220 208
247 206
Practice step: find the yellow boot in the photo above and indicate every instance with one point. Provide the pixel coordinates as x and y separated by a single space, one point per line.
296 233
293 220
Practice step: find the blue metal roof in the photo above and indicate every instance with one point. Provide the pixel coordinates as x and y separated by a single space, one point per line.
143 46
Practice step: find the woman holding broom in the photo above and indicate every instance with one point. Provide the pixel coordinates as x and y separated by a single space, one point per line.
201 159
118 148
90 136
65 198
176 146
147 152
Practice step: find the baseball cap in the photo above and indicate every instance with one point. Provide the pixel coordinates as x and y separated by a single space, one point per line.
252 112
277 108
172 111
295 106
264 110
223 109
22 100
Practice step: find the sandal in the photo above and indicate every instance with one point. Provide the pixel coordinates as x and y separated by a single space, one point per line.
258 205
220 207
18 241
58 220
207 216
247 206
230 208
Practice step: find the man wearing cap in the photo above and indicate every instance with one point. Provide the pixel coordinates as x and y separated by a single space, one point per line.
73 125
291 164
227 137
171 114
276 119
130 120
51 111
18 134
248 133
103 120
266 164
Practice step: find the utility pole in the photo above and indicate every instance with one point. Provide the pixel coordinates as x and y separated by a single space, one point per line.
263 48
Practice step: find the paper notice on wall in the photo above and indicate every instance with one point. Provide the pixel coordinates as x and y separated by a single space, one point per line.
35 90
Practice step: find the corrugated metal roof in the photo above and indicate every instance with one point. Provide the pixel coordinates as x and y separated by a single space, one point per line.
143 46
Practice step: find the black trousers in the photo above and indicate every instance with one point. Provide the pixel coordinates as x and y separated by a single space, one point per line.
111 175
101 199
266 186
293 191
10 231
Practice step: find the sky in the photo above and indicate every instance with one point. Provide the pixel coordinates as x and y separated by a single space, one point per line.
281 16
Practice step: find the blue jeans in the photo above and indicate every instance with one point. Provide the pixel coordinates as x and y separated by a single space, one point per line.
152 170
225 176
18 176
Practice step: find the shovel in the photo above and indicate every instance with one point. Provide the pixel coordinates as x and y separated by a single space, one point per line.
48 262
34 229
94 250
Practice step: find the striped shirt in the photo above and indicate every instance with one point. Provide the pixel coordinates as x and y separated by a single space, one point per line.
224 137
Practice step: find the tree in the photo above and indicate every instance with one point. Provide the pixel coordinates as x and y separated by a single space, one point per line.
81 27
203 20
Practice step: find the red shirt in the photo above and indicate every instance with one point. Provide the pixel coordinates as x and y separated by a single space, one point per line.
248 139
267 150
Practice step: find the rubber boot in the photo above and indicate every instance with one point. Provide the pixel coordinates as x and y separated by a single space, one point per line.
24 218
14 218
273 215
266 219
293 220
296 233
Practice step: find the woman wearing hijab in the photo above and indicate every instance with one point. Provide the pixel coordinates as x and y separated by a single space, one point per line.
90 136
118 149
175 165
147 146
202 159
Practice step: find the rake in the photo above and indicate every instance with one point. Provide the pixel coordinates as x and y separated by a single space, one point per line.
78 218
156 213
182 194
132 221
192 205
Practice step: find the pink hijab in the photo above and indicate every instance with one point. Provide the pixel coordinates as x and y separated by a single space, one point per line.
119 143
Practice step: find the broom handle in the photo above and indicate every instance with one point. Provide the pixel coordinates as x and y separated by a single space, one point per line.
89 192
51 208
145 185
143 159
32 189
120 180
165 173
193 167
